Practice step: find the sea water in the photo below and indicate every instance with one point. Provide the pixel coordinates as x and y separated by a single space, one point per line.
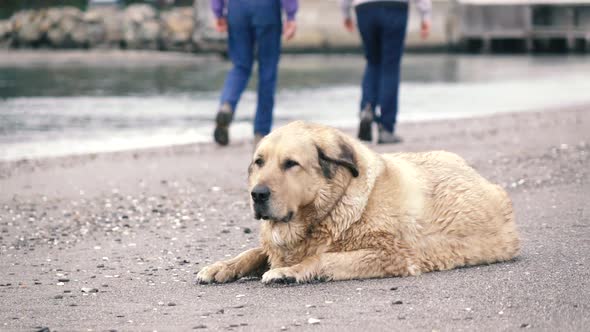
49 109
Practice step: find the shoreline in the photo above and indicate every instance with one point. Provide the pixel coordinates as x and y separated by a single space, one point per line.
142 99
99 57
209 144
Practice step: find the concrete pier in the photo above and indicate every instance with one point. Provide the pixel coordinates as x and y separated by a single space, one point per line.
526 25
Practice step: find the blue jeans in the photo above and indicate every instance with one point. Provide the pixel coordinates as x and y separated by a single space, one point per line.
383 30
254 28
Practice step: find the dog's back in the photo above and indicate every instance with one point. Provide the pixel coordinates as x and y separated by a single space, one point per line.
465 219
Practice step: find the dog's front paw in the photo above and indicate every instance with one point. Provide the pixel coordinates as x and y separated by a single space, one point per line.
283 275
219 272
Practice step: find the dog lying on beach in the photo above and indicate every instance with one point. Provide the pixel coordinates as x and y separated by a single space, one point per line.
332 209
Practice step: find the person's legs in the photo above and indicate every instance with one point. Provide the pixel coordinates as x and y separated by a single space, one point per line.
241 52
241 40
266 17
268 38
393 26
367 16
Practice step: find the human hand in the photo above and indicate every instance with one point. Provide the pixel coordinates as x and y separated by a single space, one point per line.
221 24
425 29
289 29
349 24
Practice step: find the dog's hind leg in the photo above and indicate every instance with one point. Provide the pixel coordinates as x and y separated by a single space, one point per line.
367 263
357 264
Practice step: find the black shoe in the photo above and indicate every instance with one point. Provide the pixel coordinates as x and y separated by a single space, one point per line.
387 137
365 129
222 122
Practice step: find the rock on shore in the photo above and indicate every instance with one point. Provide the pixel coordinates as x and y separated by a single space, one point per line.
138 26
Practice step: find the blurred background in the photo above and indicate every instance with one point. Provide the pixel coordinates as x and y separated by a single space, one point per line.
85 76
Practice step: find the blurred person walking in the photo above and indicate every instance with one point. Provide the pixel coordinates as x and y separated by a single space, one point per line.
254 28
382 25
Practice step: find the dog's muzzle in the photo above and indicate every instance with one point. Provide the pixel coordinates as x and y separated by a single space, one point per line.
261 196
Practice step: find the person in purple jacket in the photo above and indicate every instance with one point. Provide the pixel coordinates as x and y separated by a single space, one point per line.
254 28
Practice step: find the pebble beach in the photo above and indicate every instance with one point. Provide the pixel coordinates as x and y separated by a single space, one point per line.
113 241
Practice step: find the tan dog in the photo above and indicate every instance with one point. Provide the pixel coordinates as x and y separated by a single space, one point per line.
335 210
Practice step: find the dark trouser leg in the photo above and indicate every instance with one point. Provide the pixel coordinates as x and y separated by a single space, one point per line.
269 49
393 26
241 38
241 52
367 17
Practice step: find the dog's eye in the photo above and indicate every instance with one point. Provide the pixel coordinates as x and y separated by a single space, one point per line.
259 162
290 163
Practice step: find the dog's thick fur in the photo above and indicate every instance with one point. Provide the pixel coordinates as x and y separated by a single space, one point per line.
339 211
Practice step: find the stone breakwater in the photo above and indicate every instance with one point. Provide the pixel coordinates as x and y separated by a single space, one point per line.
134 27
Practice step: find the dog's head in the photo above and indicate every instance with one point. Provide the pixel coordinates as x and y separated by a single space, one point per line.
298 170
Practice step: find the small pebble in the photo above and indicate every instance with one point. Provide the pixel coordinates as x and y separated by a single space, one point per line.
89 290
313 321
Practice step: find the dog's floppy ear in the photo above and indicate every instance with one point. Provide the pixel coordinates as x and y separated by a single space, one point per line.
345 158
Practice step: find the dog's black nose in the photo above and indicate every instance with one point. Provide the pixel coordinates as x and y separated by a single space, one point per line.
260 194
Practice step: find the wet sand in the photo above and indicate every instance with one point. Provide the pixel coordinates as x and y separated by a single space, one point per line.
113 241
